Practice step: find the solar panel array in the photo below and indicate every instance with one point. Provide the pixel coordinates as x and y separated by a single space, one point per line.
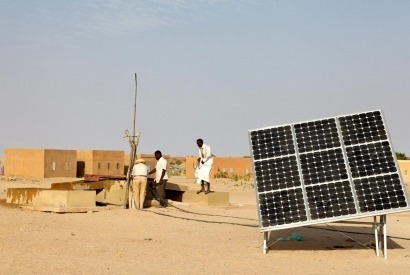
325 170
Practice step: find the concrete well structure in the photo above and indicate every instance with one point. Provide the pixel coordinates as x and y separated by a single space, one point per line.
40 163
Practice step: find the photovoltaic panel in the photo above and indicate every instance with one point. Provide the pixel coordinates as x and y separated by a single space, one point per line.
325 170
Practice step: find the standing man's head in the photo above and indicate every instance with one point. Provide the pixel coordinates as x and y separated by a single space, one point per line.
158 154
138 161
199 142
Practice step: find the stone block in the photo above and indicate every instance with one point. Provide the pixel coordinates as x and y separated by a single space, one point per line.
52 198
113 193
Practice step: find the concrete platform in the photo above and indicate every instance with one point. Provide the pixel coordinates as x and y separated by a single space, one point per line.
67 209
53 198
80 185
211 199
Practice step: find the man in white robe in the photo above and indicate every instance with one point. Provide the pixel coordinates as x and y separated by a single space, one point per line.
205 162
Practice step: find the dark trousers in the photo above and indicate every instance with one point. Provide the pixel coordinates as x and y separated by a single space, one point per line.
158 191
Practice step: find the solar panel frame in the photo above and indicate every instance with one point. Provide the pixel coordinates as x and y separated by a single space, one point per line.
339 143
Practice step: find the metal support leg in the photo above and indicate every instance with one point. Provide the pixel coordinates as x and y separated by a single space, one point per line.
380 232
383 220
376 234
265 242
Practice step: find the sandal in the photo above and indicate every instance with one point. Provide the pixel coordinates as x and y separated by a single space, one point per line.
200 191
207 192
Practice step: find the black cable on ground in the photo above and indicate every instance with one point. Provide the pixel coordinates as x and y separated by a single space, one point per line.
164 204
211 215
190 219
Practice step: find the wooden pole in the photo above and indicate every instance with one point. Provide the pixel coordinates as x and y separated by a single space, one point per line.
133 140
135 104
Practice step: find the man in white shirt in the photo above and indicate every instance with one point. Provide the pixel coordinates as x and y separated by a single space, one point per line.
205 162
139 182
161 176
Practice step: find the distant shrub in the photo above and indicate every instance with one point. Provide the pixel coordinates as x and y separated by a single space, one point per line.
221 175
176 173
235 177
248 176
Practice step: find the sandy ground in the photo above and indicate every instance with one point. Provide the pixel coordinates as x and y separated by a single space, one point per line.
187 240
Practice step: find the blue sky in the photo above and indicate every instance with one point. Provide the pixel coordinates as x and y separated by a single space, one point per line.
208 68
